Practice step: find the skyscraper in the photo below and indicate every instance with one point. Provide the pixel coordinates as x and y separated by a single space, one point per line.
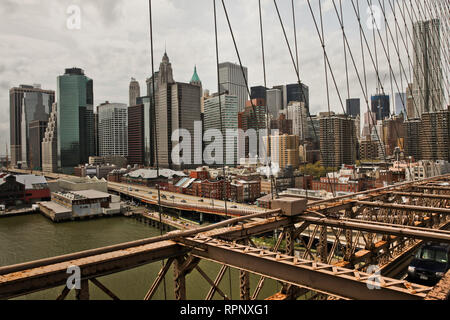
140 134
353 107
37 132
412 129
178 106
135 91
337 141
112 129
274 102
380 106
50 143
297 112
258 92
400 103
435 135
75 119
232 80
229 116
27 104
284 150
298 93
427 85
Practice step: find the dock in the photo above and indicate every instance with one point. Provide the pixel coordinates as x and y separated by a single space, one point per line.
20 212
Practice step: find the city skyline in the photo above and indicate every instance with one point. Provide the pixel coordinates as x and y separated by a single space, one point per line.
112 46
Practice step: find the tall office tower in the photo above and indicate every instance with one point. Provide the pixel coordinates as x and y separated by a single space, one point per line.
140 134
380 106
378 136
50 143
178 106
149 83
229 116
393 134
195 80
274 102
112 129
258 92
400 103
75 119
368 149
427 84
232 80
313 132
96 142
284 150
37 132
412 130
410 106
134 92
253 117
27 104
337 141
353 107
369 122
435 135
206 95
297 112
282 124
298 93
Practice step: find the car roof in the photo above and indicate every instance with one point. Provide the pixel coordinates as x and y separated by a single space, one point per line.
434 245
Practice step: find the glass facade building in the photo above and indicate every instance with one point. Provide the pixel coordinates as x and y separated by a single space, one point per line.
113 129
380 106
229 116
27 104
75 119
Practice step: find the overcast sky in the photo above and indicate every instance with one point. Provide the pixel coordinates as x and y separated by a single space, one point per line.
113 45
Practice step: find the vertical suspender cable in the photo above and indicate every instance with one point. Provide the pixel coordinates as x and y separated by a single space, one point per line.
153 120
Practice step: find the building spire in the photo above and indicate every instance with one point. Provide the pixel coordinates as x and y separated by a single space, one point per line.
195 78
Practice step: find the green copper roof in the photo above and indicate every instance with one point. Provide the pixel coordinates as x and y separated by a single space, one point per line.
195 77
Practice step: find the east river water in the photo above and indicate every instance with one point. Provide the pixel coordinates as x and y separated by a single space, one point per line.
28 238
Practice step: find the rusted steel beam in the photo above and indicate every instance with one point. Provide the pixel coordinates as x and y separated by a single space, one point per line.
420 195
383 228
182 267
64 293
83 292
403 185
261 281
403 207
216 283
161 274
132 244
441 291
53 275
319 277
104 289
208 279
434 187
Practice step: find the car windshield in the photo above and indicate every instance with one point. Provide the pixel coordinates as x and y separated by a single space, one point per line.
433 255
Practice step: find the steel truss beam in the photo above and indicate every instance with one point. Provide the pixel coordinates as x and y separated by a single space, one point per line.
402 207
420 195
383 228
53 275
321 277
